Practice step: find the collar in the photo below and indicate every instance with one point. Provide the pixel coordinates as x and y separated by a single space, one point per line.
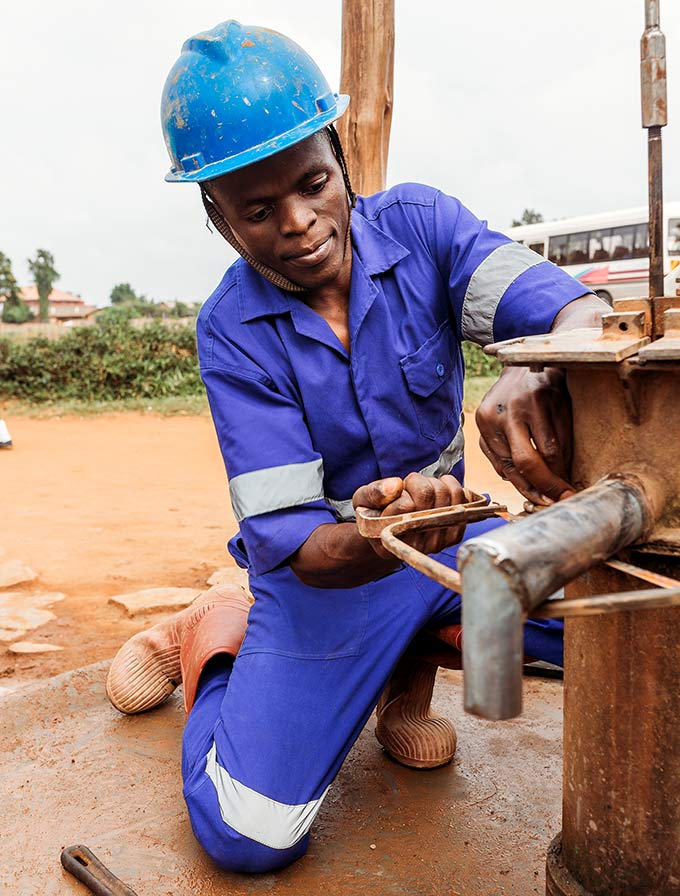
257 297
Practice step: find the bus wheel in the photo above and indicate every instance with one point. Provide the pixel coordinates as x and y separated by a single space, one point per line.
603 294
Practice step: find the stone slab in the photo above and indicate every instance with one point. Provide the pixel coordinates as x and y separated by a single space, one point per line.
21 611
155 600
16 622
14 572
26 599
75 771
33 647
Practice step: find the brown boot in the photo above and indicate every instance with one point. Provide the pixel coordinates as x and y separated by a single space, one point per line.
148 667
407 728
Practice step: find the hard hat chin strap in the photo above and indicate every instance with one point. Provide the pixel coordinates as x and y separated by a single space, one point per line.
225 230
222 227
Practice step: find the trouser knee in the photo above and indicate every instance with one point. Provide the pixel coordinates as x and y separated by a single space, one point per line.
239 853
232 850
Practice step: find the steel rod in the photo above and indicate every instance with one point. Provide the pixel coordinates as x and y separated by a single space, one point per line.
621 602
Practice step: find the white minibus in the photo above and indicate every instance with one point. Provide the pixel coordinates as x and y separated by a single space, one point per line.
609 252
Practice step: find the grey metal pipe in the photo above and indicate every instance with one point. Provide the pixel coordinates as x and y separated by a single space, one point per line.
509 571
654 117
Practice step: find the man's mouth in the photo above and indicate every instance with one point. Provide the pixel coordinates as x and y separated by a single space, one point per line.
309 258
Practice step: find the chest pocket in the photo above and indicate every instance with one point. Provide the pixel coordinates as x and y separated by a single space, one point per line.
432 384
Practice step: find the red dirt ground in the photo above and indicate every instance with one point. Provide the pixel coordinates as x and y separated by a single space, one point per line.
103 505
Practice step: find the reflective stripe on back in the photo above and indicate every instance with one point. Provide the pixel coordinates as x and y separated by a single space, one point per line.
258 817
275 488
488 284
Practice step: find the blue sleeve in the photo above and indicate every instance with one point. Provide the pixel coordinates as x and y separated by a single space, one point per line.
275 475
498 289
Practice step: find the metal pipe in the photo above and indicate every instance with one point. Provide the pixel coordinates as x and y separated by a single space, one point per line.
508 572
654 117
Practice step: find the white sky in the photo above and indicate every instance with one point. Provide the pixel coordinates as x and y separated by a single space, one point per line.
504 103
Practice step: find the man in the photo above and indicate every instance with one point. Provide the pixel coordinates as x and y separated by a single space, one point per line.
332 358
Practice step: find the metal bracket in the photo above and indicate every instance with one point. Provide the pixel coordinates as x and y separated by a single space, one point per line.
389 529
668 347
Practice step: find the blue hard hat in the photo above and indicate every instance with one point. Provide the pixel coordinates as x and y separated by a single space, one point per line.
238 94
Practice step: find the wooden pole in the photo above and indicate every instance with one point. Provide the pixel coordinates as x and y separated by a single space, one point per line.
368 77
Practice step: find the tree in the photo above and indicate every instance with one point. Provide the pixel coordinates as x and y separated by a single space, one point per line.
45 276
529 216
123 292
14 310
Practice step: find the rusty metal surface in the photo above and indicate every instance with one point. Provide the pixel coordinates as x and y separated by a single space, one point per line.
572 347
74 770
371 523
667 348
628 423
621 825
391 537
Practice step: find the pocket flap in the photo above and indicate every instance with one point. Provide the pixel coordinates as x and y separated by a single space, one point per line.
432 364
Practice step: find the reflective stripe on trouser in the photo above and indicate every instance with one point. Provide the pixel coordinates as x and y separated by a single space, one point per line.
265 740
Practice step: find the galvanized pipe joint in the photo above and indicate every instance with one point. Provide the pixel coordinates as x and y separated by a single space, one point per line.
508 572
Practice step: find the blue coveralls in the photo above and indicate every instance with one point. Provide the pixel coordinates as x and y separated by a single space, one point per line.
302 423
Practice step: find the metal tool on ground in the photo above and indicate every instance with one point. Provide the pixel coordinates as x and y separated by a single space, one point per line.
84 865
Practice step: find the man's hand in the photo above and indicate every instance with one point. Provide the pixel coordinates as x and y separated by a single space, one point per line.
416 492
525 430
525 419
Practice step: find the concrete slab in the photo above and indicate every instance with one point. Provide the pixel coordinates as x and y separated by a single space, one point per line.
75 771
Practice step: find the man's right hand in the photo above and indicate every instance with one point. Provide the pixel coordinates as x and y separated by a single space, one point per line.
393 496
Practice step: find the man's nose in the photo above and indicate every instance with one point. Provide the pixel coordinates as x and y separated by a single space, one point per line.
296 217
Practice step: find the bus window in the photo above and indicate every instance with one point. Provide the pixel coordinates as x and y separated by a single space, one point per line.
674 236
557 249
537 247
641 249
599 245
578 248
623 241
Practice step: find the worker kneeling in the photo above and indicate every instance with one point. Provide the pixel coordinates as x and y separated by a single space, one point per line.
331 353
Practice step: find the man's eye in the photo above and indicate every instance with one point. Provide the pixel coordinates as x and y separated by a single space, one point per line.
260 214
317 186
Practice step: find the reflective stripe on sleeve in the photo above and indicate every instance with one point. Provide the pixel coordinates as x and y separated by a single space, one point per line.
344 510
276 488
487 286
258 817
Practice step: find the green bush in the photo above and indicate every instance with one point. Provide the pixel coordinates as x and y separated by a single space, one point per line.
479 364
114 361
17 313
111 361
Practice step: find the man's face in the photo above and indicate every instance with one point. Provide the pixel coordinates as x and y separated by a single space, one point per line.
290 211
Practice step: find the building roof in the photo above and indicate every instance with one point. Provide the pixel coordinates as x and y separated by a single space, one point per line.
30 294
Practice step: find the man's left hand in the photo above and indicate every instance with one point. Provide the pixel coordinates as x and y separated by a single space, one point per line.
524 420
525 430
